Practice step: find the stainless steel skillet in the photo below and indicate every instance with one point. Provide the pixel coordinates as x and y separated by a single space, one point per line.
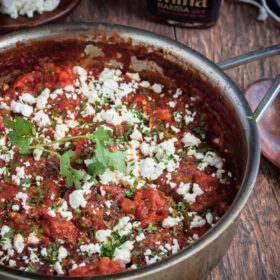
222 97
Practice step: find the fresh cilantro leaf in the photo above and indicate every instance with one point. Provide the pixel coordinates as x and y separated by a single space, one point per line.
129 192
22 126
72 175
251 117
102 134
200 131
205 212
21 134
102 154
9 233
118 161
96 167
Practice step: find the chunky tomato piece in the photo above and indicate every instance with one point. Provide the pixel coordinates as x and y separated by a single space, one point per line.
61 230
142 102
149 206
87 270
107 266
162 114
26 81
48 76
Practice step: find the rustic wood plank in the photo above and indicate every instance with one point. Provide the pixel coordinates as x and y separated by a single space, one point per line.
254 253
132 13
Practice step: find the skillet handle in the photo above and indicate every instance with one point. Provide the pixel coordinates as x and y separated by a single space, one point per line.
245 58
248 57
267 99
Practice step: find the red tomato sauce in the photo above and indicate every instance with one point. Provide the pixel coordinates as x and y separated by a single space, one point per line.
177 185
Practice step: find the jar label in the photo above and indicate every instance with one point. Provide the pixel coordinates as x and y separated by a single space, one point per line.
185 10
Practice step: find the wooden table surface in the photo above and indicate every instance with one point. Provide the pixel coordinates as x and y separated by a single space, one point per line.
255 250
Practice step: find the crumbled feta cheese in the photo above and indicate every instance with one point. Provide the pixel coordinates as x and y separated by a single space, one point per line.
170 222
37 154
33 239
79 71
27 98
88 111
197 222
15 8
157 88
44 252
102 235
58 268
150 169
42 99
76 199
211 159
18 243
178 93
175 247
62 253
4 105
123 253
140 237
60 131
41 118
136 134
23 196
12 263
188 119
5 229
20 108
209 218
133 76
124 227
20 175
109 116
51 212
15 207
90 248
190 140
172 104
177 117
184 190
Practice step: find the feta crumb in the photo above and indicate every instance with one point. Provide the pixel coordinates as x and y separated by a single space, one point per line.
124 227
150 169
102 235
27 98
172 104
170 222
157 88
197 222
190 140
37 154
18 243
62 253
188 119
90 248
41 118
20 108
123 253
60 131
76 199
42 99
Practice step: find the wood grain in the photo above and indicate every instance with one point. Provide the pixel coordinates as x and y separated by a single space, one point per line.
254 253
